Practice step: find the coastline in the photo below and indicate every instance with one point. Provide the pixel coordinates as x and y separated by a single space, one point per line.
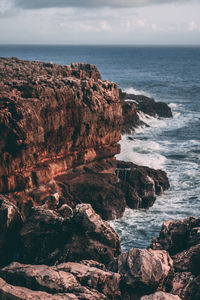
79 184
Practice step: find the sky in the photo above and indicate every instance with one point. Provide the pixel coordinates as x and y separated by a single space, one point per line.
100 22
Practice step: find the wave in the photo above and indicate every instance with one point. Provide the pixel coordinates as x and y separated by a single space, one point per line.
132 90
141 152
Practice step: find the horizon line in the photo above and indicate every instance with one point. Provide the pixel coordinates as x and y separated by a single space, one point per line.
126 45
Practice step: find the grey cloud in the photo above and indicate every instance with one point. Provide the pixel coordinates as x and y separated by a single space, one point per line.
37 4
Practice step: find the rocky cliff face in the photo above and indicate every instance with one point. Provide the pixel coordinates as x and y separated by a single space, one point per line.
53 118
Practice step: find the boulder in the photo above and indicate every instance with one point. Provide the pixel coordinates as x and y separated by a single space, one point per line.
160 296
143 271
10 224
47 238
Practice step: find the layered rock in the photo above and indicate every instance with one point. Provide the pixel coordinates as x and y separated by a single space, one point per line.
60 129
53 118
64 281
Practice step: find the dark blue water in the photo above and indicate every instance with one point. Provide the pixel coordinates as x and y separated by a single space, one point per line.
170 74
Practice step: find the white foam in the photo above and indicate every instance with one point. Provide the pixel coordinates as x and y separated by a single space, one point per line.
172 105
132 90
144 153
151 121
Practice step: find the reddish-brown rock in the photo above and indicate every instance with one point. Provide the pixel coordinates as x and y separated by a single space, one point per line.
102 191
53 118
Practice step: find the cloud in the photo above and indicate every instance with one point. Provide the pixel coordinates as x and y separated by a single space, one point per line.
192 26
37 4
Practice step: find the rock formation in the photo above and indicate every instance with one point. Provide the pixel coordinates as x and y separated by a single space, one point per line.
182 240
133 105
53 118
60 127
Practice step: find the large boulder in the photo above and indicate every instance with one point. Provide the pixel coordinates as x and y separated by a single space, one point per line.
143 271
10 225
47 238
64 279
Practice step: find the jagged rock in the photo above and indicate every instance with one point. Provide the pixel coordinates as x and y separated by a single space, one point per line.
143 271
70 278
160 296
48 238
10 225
100 241
176 236
141 184
148 105
100 190
53 118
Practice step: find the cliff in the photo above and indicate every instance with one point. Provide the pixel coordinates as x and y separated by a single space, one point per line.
53 118
60 127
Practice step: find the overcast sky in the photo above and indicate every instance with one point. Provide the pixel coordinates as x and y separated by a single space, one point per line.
100 22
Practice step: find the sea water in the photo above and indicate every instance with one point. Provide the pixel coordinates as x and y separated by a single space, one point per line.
170 74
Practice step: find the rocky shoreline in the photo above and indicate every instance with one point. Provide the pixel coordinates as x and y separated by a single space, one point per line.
59 182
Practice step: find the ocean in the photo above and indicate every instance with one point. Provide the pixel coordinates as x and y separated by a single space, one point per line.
170 74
